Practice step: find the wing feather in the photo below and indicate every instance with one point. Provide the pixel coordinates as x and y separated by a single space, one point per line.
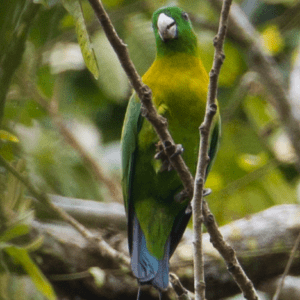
132 126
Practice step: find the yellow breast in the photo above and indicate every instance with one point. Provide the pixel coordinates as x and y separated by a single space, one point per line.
179 86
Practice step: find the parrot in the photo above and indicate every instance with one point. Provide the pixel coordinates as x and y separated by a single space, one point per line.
156 220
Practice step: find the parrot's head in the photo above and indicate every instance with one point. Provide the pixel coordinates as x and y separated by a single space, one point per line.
173 32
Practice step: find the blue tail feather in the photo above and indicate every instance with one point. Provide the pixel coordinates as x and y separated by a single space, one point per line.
146 268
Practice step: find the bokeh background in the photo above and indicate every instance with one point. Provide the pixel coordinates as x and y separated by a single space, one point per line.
254 168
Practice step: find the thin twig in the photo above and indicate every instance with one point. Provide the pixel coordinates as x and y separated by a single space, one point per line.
181 292
228 255
203 158
96 242
287 268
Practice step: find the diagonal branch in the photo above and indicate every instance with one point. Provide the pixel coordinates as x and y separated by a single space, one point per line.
229 255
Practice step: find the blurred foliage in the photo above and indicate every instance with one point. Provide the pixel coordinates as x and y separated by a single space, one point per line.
254 168
15 246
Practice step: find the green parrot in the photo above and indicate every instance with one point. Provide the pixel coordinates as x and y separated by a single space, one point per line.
179 83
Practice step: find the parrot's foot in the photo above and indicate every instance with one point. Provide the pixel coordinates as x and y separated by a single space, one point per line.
161 154
189 209
206 192
182 196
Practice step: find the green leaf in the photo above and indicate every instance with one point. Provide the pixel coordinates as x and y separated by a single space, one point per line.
38 278
7 136
14 232
74 8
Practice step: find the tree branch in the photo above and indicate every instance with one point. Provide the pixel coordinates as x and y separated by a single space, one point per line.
181 292
92 214
203 158
229 255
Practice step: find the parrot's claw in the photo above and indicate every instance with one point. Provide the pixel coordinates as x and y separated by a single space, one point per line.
181 196
178 150
188 209
161 154
165 166
206 192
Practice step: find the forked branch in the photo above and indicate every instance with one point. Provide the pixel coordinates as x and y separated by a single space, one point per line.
160 125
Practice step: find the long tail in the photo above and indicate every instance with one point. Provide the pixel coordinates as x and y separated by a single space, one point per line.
146 268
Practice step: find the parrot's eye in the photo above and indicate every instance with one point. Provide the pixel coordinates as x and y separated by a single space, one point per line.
185 16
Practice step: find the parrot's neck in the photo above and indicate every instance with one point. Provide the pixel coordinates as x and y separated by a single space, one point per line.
179 87
187 44
182 62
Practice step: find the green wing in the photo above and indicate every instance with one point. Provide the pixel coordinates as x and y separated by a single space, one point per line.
131 128
132 125
147 195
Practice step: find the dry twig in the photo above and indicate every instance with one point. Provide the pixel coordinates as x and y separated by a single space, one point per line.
181 292
229 255
203 158
287 268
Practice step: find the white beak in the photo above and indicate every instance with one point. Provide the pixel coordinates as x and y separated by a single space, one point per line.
167 28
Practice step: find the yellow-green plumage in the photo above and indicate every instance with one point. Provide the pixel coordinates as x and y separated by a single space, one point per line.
179 85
